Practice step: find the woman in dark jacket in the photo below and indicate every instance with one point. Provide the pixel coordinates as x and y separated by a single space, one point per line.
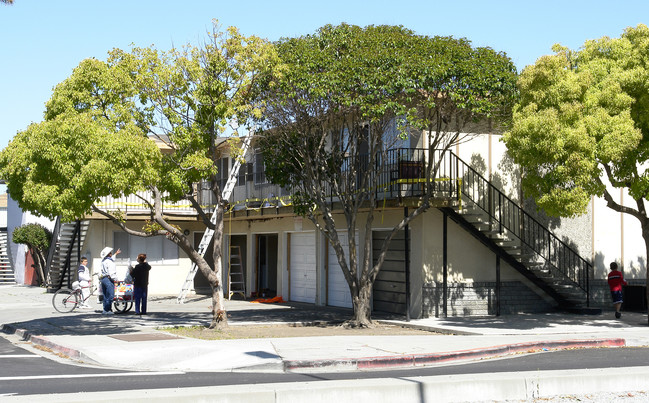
140 274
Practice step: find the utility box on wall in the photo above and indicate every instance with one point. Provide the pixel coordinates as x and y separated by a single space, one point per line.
635 298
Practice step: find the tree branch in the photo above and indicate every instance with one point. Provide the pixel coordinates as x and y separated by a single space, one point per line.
123 226
620 208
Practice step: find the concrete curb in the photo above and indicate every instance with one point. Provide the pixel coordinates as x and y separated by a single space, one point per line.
44 342
415 360
365 363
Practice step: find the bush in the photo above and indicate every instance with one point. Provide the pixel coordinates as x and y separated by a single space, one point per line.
33 235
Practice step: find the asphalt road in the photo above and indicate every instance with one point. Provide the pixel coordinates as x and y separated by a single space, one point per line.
23 372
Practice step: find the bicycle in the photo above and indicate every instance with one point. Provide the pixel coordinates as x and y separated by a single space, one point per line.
66 300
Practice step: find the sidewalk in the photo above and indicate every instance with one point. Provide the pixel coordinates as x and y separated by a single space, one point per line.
130 342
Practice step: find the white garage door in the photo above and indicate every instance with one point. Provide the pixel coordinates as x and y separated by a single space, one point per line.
303 267
337 289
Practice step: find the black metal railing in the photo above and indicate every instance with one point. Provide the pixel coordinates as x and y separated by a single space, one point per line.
66 270
504 213
52 250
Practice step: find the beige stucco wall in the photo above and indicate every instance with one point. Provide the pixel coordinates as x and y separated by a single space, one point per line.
468 259
163 279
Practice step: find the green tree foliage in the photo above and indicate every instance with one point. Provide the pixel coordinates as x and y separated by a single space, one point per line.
345 96
38 239
87 147
581 127
144 120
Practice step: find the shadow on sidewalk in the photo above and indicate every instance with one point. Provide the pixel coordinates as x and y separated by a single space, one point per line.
94 323
547 321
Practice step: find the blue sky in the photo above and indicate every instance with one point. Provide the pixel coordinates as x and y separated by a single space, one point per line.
41 41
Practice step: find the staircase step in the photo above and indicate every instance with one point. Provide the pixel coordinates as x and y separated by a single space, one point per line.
522 258
7 276
497 235
477 219
511 249
468 208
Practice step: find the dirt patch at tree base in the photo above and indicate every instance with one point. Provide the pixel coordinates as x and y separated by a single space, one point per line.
290 330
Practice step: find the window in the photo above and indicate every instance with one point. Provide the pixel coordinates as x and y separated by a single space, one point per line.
159 250
223 167
241 175
260 174
392 136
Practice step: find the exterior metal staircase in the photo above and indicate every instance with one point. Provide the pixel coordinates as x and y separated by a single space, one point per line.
514 235
6 272
67 241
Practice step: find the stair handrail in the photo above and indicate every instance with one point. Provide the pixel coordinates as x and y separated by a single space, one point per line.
52 249
68 254
581 279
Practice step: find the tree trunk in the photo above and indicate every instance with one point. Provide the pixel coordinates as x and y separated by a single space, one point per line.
220 316
38 264
362 309
645 236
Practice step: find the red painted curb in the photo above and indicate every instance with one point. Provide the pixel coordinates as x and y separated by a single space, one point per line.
412 360
406 360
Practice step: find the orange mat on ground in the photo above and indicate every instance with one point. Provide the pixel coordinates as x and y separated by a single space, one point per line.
275 300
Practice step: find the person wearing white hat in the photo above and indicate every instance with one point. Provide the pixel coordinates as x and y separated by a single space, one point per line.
108 277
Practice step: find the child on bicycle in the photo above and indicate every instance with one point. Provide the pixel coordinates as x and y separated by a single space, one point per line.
84 282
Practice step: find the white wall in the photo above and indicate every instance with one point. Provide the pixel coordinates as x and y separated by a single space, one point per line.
165 279
618 237
15 218
3 216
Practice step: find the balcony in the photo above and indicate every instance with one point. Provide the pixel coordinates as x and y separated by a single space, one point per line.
402 174
134 205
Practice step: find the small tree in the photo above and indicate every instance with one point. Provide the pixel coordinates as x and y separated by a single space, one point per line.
38 239
347 95
97 137
582 126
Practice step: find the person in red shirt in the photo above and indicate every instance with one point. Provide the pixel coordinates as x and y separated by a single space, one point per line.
615 283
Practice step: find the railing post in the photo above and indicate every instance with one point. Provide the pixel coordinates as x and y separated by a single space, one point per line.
588 268
520 224
497 285
500 212
457 176
407 263
490 211
445 265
